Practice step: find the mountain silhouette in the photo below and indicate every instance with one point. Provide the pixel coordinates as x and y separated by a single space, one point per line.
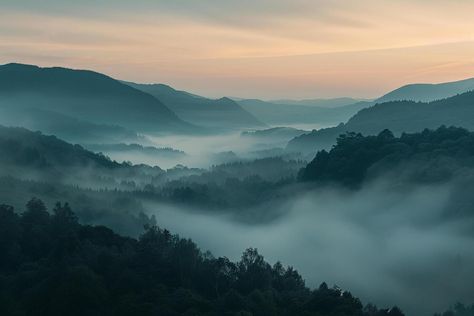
428 92
222 113
281 114
397 116
86 95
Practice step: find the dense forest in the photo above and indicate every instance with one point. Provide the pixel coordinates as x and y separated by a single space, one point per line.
53 265
429 156
459 310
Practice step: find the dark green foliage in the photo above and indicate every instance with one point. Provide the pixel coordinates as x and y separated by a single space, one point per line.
52 265
116 209
428 156
237 185
459 310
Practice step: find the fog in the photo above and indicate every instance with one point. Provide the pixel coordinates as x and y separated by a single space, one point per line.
387 245
390 242
204 151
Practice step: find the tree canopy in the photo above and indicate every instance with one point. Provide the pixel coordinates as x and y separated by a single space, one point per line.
53 265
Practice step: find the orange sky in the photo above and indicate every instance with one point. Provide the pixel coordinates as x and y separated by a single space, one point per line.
260 48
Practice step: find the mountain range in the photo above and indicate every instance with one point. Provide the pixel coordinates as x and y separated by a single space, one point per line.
292 114
397 116
222 113
85 95
88 107
322 103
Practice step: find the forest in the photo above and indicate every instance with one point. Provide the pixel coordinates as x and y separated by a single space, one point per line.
428 156
53 265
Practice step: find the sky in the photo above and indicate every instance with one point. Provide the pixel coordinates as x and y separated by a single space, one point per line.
266 49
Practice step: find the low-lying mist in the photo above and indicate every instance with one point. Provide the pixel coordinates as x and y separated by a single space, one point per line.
386 244
204 151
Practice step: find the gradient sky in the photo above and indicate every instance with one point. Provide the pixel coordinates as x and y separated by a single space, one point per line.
248 48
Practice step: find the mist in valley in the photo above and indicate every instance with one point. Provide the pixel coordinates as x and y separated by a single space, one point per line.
384 242
203 151
225 158
390 240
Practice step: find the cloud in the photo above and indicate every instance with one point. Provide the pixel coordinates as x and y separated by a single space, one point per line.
182 42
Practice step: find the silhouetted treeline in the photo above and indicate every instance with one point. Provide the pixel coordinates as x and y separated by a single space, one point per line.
459 310
52 265
429 156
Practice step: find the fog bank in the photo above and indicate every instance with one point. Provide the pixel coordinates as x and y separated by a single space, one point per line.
386 245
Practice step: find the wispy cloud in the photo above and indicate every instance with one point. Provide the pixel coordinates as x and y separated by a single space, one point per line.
189 43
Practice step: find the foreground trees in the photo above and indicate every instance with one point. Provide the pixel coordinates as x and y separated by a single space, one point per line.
53 265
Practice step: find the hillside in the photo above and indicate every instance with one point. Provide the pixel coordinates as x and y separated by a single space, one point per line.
428 92
397 116
85 95
222 113
292 114
66 127
426 157
32 155
22 147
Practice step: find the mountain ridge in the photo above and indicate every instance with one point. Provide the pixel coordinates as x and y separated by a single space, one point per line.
398 116
219 113
427 92
87 95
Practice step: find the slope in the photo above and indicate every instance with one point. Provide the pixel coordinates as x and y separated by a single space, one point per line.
86 95
221 113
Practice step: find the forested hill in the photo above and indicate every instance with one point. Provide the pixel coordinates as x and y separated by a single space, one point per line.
85 95
52 265
34 156
429 156
397 116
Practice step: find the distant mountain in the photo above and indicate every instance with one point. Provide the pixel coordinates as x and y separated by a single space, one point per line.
428 92
86 95
397 116
323 103
290 114
223 113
